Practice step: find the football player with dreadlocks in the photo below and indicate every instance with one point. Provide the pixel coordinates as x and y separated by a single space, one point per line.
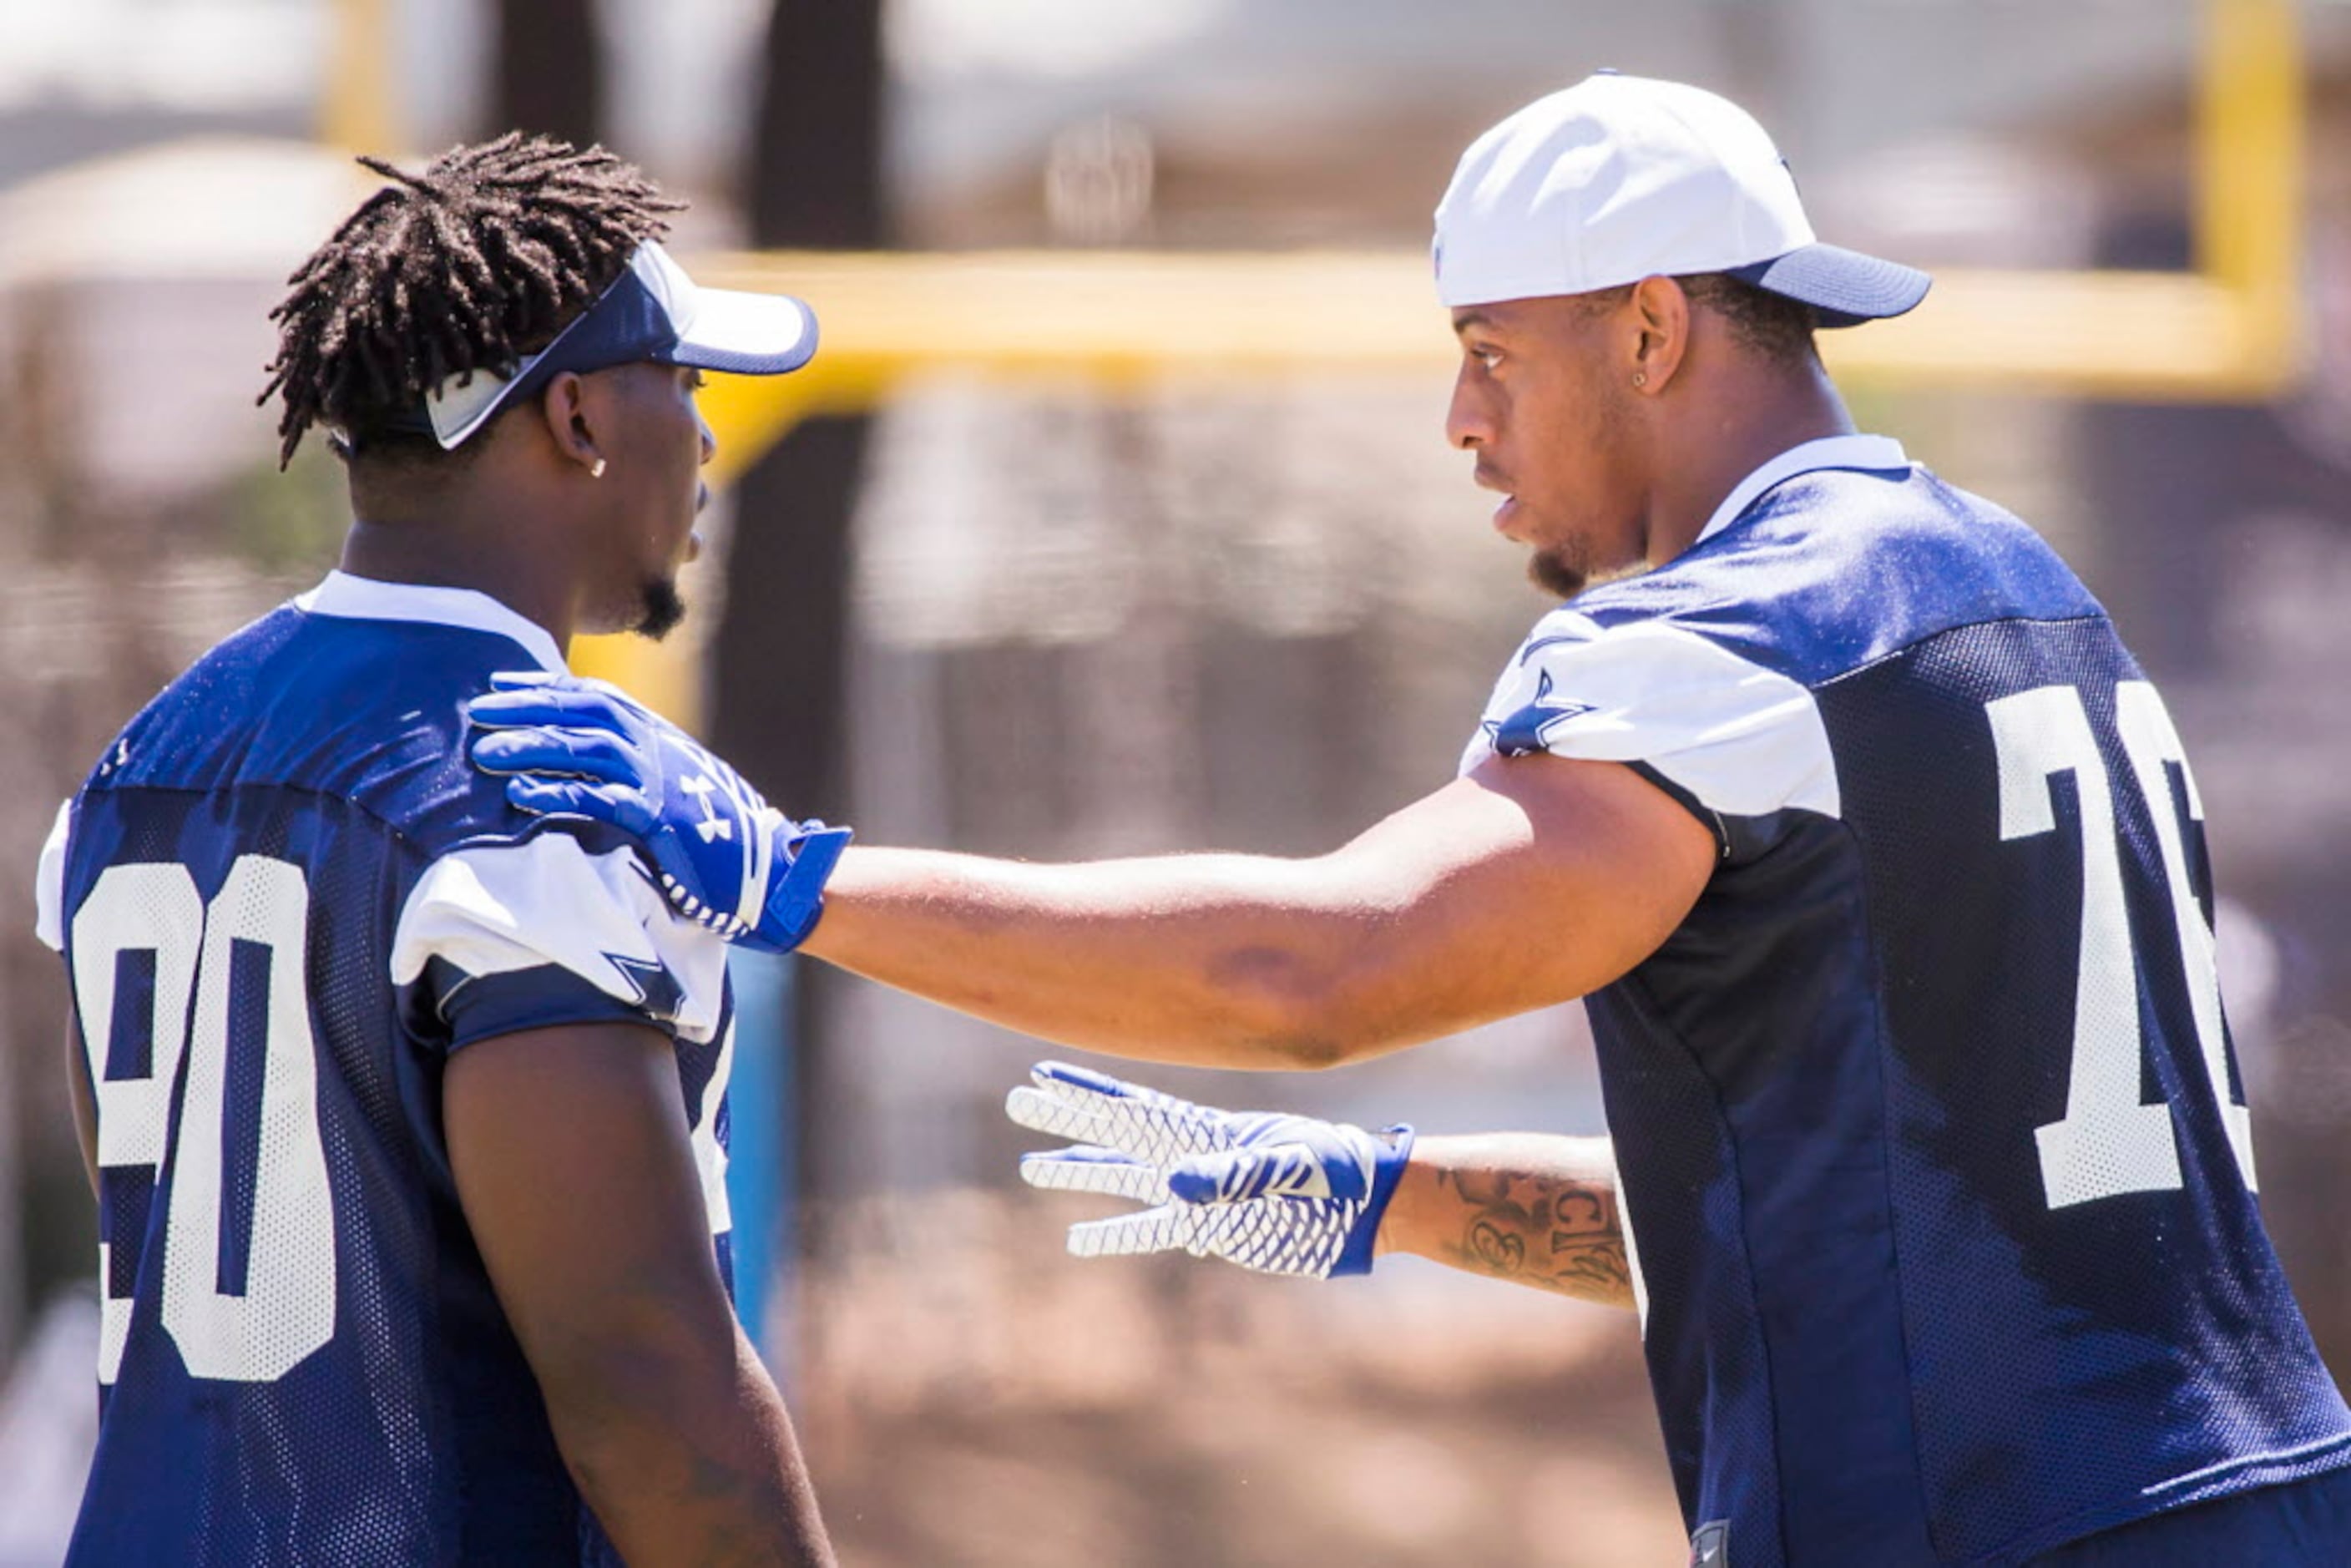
406 1110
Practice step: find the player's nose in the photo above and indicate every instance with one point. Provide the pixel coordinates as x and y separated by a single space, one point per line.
1467 424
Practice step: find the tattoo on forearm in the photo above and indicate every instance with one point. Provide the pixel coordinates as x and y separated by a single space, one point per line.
1539 1229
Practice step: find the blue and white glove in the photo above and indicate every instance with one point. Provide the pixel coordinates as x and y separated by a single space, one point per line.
724 858
1281 1194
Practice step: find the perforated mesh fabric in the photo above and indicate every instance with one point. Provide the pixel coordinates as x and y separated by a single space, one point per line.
1706 1358
1950 1253
1825 1090
313 1368
2066 1357
341 1459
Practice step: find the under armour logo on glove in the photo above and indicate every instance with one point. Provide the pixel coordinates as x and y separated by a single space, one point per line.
713 825
1281 1194
724 858
1292 1170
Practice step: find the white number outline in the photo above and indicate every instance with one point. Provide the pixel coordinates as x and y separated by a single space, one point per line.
2108 1142
287 1309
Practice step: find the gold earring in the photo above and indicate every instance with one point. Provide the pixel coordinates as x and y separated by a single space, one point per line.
1640 378
598 471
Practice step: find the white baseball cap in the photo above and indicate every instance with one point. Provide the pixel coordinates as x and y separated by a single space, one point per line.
1620 178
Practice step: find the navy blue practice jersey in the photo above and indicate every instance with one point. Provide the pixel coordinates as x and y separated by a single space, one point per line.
285 899
1933 1153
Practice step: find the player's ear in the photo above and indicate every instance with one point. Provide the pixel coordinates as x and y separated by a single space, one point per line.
1661 313
572 421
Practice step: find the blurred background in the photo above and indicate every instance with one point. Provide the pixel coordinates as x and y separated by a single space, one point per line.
1117 517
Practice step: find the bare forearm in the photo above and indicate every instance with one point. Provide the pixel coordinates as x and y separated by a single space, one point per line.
1533 1208
1211 961
688 1462
1530 882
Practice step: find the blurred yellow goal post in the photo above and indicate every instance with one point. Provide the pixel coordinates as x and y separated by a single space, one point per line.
2228 331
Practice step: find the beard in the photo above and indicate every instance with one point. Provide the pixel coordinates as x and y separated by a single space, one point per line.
1561 572
660 608
1568 572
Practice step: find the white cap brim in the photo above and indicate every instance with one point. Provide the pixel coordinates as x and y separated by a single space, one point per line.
749 334
726 329
652 312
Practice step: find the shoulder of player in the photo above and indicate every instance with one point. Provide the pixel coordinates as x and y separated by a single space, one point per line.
371 713
518 920
1836 569
167 735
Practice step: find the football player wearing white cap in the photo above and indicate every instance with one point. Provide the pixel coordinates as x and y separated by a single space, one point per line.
404 1108
1876 858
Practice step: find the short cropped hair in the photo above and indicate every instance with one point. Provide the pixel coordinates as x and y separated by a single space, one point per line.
1772 325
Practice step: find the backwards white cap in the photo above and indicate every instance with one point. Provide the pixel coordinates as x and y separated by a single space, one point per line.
1620 178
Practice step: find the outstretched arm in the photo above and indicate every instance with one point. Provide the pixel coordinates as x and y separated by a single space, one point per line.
1534 1208
1534 881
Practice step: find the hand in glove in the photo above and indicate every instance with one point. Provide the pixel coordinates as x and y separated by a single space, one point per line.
1278 1193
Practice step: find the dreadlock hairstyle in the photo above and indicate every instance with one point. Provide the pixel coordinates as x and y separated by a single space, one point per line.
471 264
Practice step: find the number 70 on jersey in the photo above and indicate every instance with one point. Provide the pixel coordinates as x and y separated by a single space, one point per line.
2110 1142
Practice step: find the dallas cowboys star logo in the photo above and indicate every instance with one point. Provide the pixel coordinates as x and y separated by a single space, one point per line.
1531 729
658 992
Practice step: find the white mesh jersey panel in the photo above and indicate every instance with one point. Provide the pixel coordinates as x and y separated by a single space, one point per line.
49 882
1743 740
260 1325
285 1306
709 1155
494 909
154 909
